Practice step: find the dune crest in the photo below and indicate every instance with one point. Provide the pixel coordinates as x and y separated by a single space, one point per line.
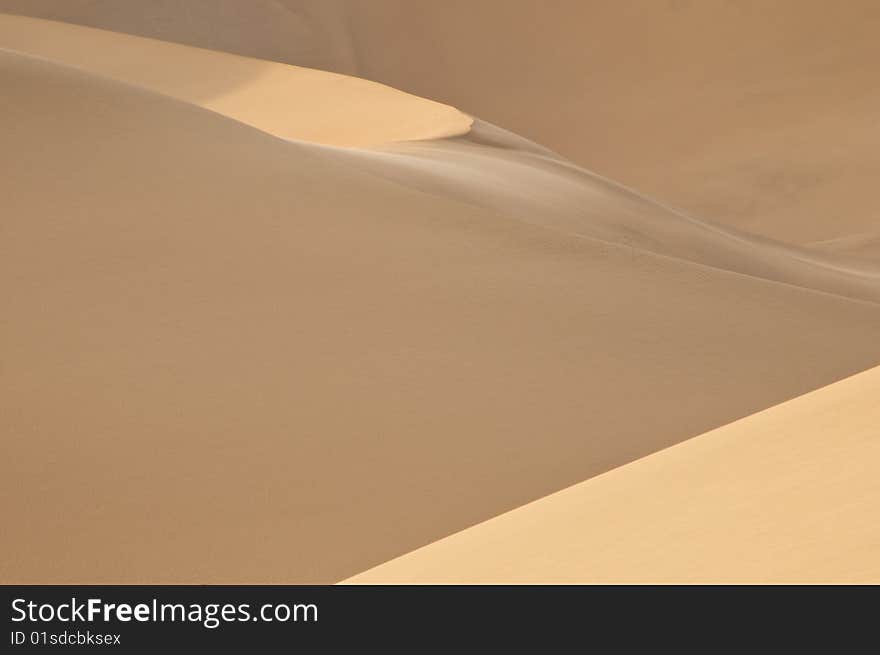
494 170
248 345
286 101
257 313
510 176
757 115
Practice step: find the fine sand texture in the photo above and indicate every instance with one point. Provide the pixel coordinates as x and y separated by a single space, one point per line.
233 357
287 101
267 323
788 495
496 170
761 114
489 167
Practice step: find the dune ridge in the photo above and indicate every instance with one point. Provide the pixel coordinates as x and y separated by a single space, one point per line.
249 346
787 495
493 170
275 311
288 101
758 115
542 188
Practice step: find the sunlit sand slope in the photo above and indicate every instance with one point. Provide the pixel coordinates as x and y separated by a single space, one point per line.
489 168
229 357
309 33
287 101
791 494
761 115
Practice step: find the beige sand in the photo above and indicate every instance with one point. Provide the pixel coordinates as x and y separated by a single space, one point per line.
490 168
313 34
287 101
761 114
242 359
790 494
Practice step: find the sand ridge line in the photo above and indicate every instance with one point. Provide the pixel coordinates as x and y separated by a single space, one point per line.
287 101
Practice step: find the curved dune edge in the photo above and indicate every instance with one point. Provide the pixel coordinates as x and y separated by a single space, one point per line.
502 172
790 494
507 175
226 343
286 101
758 115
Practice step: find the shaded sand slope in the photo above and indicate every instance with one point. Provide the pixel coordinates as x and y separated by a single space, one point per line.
229 357
759 114
865 246
287 101
489 168
314 34
788 495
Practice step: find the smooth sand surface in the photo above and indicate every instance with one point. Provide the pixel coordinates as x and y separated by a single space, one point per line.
759 114
287 101
244 359
865 246
491 169
312 34
788 495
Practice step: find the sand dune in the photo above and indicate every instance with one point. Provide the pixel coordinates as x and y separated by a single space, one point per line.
260 313
287 101
538 187
254 353
787 495
491 169
761 115
865 246
313 34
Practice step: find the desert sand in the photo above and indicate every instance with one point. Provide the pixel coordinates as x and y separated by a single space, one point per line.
287 101
757 114
787 495
252 339
490 168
